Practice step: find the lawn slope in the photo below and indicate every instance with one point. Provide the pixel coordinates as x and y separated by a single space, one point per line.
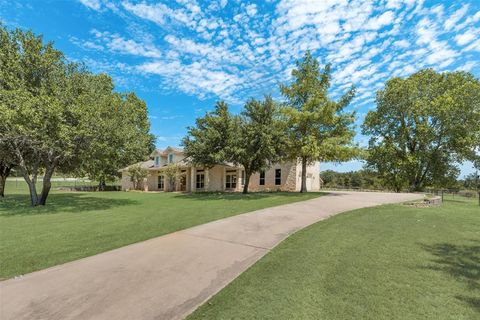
79 224
389 262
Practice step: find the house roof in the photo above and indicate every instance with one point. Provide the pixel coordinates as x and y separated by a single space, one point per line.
144 164
166 151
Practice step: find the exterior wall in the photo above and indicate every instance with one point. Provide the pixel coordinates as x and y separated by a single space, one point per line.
126 183
287 179
215 181
313 177
152 181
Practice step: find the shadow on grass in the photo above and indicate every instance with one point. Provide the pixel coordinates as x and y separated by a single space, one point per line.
237 195
13 205
461 262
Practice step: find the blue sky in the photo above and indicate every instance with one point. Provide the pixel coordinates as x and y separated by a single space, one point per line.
182 56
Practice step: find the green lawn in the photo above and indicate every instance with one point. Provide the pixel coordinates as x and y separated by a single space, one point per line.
389 262
79 224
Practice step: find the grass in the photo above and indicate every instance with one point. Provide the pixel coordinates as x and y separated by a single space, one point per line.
79 224
389 262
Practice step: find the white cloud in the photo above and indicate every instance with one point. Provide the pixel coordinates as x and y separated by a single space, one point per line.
455 17
467 36
380 21
251 9
402 43
234 54
92 4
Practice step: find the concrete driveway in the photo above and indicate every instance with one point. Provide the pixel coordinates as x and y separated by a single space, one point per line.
170 276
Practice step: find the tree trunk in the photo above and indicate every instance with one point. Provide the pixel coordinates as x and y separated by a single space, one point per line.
47 185
32 188
303 188
4 173
101 185
246 182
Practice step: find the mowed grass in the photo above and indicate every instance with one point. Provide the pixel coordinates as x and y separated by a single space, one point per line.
389 262
78 224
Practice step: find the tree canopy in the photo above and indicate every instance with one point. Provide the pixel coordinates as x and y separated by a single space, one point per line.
423 126
58 116
319 128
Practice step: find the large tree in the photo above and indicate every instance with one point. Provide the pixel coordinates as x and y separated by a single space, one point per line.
206 143
259 138
58 117
423 126
318 127
253 139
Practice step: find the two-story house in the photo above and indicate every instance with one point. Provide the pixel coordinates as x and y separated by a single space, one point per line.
222 177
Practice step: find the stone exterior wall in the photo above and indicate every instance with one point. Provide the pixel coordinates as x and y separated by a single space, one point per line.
288 171
313 177
290 179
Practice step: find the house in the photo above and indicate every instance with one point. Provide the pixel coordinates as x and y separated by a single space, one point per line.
222 177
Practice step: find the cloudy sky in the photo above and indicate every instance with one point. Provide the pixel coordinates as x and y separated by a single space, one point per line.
182 56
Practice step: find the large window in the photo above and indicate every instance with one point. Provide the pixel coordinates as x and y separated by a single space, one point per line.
278 177
161 182
157 161
231 180
200 181
170 158
262 178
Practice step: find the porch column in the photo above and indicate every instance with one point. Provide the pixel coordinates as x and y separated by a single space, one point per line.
207 179
192 179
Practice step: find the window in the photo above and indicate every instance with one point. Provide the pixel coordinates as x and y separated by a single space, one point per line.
231 180
262 178
170 158
278 177
243 177
157 161
200 181
161 182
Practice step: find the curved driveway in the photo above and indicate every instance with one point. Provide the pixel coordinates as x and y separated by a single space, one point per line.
169 276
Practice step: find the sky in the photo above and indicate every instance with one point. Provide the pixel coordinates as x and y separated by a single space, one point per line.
182 56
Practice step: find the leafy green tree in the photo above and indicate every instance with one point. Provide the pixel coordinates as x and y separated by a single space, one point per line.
423 126
122 132
318 127
173 174
7 163
206 144
258 140
137 175
57 116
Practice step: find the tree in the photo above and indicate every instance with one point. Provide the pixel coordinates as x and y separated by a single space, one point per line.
423 126
173 174
318 127
252 139
122 133
259 140
137 175
58 116
7 163
207 143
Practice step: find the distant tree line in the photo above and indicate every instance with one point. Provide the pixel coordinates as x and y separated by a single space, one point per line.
361 179
56 116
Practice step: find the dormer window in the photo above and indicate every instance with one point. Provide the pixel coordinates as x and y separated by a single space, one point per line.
157 161
170 158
